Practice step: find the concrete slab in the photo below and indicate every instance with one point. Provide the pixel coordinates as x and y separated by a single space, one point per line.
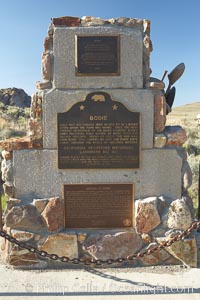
131 54
38 175
142 283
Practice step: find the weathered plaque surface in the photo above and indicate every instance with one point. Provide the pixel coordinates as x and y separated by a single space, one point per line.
98 205
97 55
98 133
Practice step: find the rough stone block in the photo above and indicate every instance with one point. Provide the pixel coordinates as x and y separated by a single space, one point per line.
25 217
59 101
53 215
179 216
160 113
146 215
131 47
176 135
61 244
113 245
185 251
39 177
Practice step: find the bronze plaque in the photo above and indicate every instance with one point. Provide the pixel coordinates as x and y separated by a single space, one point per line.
97 55
98 205
98 133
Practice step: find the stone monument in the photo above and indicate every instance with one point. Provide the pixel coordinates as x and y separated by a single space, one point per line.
100 176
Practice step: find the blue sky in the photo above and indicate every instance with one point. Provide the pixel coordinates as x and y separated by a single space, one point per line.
175 33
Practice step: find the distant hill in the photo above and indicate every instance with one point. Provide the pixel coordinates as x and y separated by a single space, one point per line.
15 97
184 115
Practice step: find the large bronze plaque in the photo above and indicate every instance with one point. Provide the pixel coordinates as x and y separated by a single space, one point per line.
97 55
98 133
98 205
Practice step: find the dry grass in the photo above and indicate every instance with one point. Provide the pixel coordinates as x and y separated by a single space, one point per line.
185 116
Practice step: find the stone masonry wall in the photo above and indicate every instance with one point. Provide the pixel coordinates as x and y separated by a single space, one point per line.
33 183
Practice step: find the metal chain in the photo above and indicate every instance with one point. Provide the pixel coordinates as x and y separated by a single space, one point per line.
137 255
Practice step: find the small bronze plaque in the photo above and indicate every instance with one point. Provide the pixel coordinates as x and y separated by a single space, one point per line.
98 133
98 205
97 55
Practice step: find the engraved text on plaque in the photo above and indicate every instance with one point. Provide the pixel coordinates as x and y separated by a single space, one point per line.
98 205
98 133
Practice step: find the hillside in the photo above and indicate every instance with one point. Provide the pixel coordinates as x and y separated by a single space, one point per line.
14 112
15 97
184 115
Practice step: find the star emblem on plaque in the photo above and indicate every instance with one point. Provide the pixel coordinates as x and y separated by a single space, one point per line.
98 133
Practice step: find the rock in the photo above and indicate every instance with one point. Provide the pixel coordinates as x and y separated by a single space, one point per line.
146 215
12 202
186 176
24 236
176 135
53 214
25 217
146 238
8 189
148 45
7 155
146 25
48 44
92 21
15 97
132 22
23 259
156 258
7 170
179 216
61 244
40 204
82 237
159 113
46 66
122 20
35 129
156 84
185 251
66 21
43 85
16 143
36 107
160 140
114 245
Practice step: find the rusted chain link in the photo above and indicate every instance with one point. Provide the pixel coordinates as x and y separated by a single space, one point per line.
66 259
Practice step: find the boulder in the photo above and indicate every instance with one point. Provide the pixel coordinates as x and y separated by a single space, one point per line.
185 251
53 214
25 216
160 140
146 215
61 244
40 204
113 245
176 135
159 113
179 215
